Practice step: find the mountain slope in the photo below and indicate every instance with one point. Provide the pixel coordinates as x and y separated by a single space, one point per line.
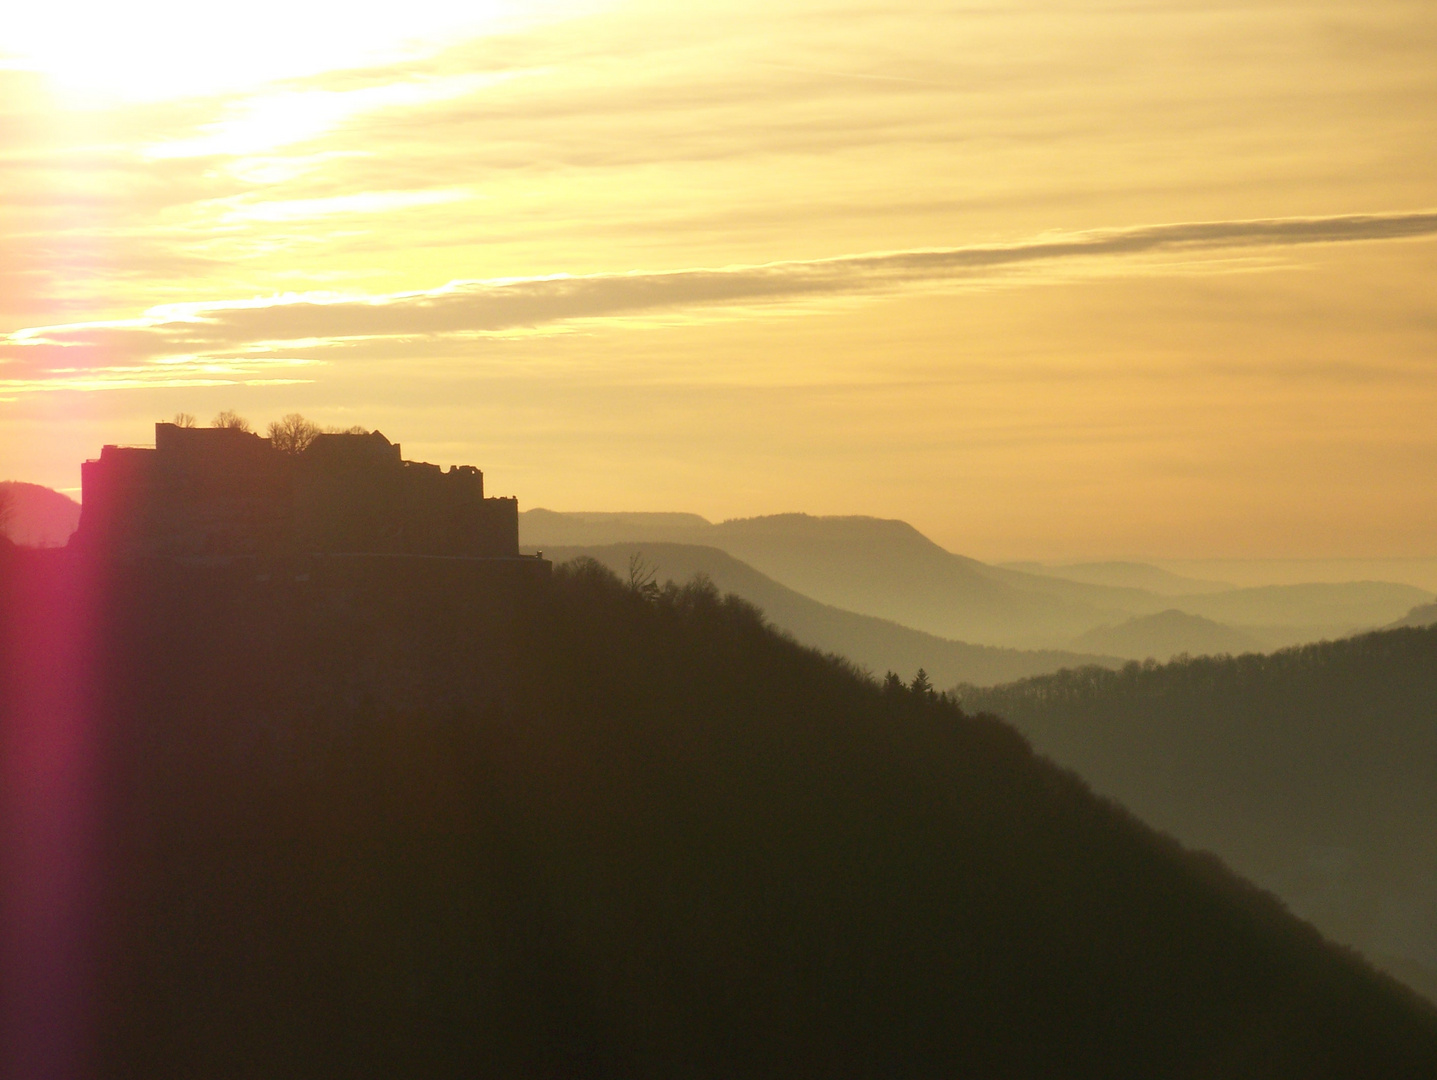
38 516
1313 771
385 830
875 644
1423 615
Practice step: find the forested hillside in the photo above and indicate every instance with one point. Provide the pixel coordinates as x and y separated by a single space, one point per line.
372 828
1312 770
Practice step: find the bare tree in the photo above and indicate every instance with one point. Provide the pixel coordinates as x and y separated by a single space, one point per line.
293 434
7 510
184 419
230 419
641 576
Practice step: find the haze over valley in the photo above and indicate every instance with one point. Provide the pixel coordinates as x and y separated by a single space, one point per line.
889 570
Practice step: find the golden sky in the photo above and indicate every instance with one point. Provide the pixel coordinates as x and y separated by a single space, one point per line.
1044 279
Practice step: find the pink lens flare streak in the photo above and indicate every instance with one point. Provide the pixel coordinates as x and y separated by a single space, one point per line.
48 815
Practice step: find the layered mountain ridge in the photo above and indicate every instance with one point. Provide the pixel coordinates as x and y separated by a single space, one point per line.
889 570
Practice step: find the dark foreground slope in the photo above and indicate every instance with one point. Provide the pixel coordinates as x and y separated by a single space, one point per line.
365 827
1312 771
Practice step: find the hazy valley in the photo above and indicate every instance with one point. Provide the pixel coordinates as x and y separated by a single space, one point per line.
889 570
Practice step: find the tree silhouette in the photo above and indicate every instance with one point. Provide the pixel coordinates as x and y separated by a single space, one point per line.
921 685
184 419
230 419
641 576
292 434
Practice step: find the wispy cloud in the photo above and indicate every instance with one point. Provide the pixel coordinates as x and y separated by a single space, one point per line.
241 340
368 202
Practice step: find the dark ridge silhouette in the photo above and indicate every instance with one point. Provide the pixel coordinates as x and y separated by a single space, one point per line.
1312 771
368 827
36 516
1164 636
874 644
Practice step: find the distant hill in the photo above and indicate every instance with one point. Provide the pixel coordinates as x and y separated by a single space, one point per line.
876 644
1130 575
365 827
882 568
1165 635
1292 614
890 570
1423 615
1313 771
547 528
38 516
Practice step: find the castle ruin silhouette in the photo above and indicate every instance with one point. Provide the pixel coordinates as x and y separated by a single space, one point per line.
225 492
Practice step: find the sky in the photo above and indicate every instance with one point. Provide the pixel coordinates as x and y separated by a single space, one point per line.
1047 280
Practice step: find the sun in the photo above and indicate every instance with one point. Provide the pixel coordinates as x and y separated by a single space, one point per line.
146 50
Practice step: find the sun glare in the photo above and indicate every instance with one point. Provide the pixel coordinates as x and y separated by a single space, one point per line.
158 49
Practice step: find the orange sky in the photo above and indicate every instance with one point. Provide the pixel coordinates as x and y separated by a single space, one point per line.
1045 279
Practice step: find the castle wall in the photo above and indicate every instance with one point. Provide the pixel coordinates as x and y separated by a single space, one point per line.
116 493
499 528
217 491
347 492
222 492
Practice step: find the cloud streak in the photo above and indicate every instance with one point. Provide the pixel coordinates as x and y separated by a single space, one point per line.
238 339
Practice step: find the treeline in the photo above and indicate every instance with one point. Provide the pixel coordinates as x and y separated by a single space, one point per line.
605 829
1312 770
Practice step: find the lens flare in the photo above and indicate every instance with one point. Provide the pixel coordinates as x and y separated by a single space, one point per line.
48 817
